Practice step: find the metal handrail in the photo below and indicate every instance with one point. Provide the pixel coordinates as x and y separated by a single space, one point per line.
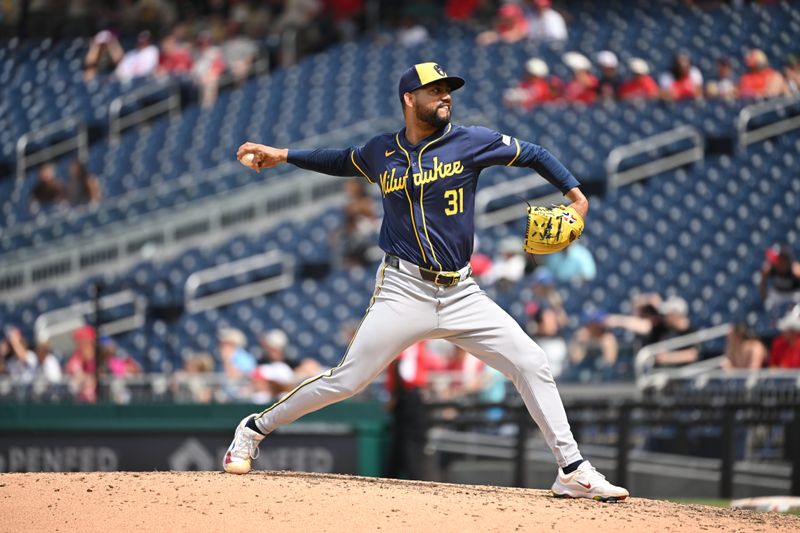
748 113
117 122
195 304
189 179
646 356
66 319
620 153
79 141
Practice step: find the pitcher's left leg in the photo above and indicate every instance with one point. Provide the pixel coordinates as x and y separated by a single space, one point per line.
472 320
482 328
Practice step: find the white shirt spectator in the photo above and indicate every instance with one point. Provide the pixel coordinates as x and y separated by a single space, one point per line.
137 63
49 369
22 370
547 25
666 79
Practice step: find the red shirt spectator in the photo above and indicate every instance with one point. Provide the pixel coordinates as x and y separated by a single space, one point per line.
511 26
81 366
760 81
641 85
683 89
684 81
461 10
785 352
176 57
411 366
536 88
584 86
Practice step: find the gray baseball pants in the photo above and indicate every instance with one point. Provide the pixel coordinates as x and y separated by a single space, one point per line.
406 309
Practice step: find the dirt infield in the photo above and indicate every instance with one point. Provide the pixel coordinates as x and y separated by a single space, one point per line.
283 501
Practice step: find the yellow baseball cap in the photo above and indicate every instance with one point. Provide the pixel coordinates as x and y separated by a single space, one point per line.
424 73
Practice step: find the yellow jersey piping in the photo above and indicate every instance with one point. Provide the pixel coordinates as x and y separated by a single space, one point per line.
516 155
410 203
353 159
329 373
422 194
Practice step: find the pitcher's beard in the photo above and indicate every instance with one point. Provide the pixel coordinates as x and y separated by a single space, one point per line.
433 118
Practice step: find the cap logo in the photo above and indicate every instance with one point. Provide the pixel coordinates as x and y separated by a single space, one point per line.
440 71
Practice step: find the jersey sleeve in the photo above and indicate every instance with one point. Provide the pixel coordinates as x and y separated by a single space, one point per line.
492 148
359 157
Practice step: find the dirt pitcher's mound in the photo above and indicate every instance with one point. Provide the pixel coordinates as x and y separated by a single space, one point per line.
282 501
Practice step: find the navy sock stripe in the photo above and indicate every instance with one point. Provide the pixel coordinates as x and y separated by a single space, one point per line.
570 468
251 423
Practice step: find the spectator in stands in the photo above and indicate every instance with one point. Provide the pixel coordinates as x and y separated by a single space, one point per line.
594 343
207 67
140 62
545 23
271 382
785 351
760 80
80 368
407 383
115 362
509 266
510 26
546 318
584 85
779 283
480 263
792 73
573 264
655 320
466 371
609 82
468 10
673 322
237 362
356 237
411 33
20 362
239 52
83 187
641 86
48 190
274 344
192 383
684 80
536 88
743 348
48 368
725 85
103 56
175 58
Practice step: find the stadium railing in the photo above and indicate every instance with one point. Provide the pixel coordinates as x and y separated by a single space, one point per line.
63 321
506 431
119 245
70 133
775 116
194 302
161 96
664 162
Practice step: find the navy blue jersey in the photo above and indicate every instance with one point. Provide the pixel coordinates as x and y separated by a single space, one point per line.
428 189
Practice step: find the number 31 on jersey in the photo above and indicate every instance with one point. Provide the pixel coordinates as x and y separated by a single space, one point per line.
455 201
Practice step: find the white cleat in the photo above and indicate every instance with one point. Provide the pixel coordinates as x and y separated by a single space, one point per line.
586 482
243 449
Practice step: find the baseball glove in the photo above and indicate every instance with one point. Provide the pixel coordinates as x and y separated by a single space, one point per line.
551 229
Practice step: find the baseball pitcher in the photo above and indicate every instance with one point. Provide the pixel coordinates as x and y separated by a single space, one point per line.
427 174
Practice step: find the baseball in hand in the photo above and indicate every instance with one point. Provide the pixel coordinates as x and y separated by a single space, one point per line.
248 160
